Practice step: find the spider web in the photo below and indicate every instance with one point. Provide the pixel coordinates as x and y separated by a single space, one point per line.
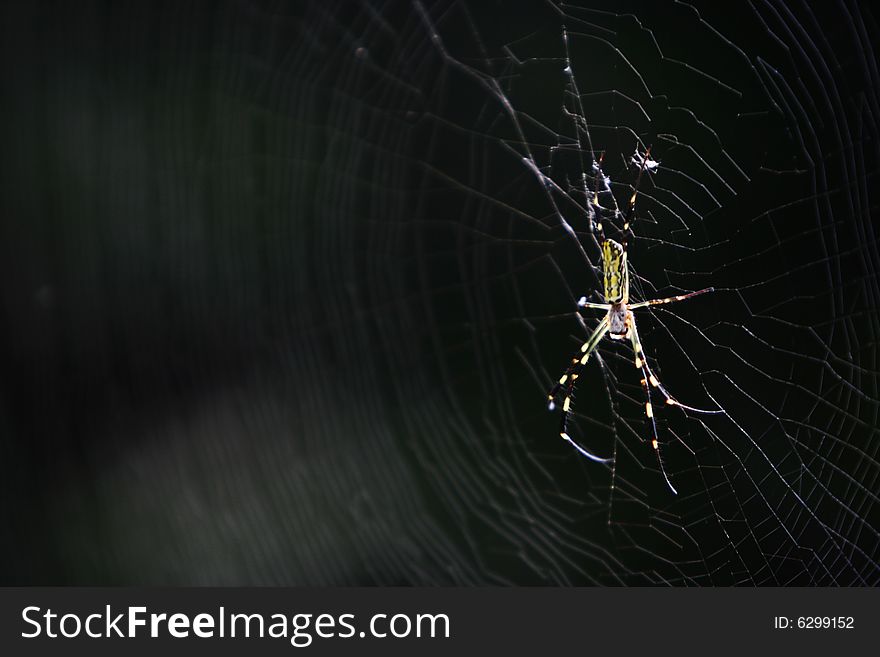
354 241
765 144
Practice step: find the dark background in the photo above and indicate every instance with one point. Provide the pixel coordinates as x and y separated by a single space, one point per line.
281 303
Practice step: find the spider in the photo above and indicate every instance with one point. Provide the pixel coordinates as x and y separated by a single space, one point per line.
619 323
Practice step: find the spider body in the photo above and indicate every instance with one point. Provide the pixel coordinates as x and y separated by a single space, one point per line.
619 321
616 281
614 272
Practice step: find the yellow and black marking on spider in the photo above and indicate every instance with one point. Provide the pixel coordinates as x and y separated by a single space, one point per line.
619 322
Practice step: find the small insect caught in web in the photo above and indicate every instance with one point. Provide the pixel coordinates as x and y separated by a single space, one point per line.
619 322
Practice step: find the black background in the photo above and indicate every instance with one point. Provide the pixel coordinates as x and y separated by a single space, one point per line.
266 270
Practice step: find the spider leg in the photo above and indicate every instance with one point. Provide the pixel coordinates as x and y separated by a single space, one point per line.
680 297
649 412
578 361
650 378
642 364
583 303
627 217
597 170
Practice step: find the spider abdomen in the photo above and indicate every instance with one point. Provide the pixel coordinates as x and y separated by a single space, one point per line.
616 279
